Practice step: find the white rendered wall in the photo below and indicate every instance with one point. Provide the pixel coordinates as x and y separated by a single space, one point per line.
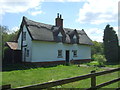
48 51
28 47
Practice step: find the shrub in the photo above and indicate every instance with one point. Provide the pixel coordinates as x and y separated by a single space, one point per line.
93 63
100 58
7 55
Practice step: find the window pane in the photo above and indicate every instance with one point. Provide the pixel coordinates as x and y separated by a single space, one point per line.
74 53
27 53
59 53
24 36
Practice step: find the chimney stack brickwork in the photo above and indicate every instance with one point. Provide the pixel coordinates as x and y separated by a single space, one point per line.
59 20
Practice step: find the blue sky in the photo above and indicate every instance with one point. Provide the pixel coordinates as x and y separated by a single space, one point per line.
90 15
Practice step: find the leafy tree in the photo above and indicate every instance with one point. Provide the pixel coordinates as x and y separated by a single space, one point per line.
97 48
6 37
100 58
110 40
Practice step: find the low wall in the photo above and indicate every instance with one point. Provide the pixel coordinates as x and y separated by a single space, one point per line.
58 62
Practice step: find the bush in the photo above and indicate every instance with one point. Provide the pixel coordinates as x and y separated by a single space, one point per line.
7 55
93 63
100 58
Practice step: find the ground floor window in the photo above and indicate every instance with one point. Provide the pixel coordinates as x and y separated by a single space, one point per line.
74 53
27 53
59 53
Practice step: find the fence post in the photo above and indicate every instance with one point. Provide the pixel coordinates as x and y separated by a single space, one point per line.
93 80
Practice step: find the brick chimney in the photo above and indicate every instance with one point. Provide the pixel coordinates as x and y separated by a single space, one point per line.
59 20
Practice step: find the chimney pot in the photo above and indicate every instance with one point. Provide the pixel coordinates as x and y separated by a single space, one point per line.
59 20
60 16
57 15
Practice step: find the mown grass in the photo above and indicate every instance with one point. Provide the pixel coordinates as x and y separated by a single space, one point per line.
18 78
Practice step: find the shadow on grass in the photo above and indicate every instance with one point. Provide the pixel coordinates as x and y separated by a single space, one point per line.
24 66
113 63
20 66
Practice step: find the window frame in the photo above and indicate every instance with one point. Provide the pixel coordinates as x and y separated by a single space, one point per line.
75 39
59 54
27 53
74 53
60 36
24 36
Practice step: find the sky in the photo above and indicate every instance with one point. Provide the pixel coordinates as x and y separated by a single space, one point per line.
90 15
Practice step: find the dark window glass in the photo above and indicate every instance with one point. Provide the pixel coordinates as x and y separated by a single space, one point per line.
74 53
27 53
59 53
24 36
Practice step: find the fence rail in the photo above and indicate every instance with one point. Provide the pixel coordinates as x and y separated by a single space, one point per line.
92 75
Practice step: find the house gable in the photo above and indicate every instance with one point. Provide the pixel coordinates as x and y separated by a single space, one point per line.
21 29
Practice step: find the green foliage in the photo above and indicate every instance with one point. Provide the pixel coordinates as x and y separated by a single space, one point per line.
93 63
110 40
100 59
6 37
119 54
7 55
97 48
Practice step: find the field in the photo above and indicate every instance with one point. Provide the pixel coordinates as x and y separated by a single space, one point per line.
28 76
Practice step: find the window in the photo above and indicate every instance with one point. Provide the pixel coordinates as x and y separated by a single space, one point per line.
27 53
60 36
75 39
24 36
59 53
74 53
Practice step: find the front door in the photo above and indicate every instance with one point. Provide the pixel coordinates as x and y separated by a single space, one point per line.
67 56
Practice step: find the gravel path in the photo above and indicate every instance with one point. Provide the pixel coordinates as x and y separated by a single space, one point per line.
106 68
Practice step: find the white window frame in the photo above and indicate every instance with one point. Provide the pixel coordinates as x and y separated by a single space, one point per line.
60 36
59 54
24 36
74 53
75 38
27 52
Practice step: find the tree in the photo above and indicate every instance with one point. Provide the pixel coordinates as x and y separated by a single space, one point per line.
97 48
110 41
6 37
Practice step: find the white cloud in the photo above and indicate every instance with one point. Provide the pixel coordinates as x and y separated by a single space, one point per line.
95 34
36 13
98 11
116 29
15 28
64 0
17 6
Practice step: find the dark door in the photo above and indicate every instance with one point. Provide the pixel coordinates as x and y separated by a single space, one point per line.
67 56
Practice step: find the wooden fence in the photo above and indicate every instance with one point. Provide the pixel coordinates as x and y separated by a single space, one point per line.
92 75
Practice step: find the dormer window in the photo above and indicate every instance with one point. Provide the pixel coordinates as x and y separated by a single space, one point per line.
24 36
75 39
60 36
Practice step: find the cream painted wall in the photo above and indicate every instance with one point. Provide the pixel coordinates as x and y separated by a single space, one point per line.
48 51
28 44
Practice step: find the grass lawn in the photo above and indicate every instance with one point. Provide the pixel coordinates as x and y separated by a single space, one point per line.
18 78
